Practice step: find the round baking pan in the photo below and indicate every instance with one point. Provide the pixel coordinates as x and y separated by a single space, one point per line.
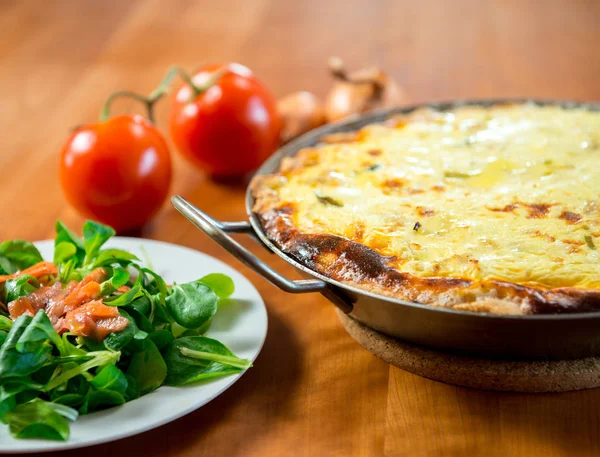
529 337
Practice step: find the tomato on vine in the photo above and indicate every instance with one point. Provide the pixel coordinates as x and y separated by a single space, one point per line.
118 170
224 120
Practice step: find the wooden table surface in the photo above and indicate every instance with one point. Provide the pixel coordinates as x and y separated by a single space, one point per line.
313 390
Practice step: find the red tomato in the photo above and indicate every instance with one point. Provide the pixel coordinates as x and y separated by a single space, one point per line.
117 171
229 129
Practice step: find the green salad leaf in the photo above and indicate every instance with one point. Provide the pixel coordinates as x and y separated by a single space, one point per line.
117 341
110 378
112 256
65 235
39 331
64 251
191 305
94 236
161 338
40 419
126 298
101 399
118 278
195 358
19 287
147 367
13 391
17 255
72 400
222 285
5 323
15 362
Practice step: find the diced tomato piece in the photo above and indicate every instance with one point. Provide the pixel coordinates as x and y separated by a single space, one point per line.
43 298
20 306
88 289
95 320
75 308
38 270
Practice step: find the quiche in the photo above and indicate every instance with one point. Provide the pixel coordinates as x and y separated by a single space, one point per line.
479 208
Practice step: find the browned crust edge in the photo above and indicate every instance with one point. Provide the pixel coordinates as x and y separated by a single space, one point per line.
357 265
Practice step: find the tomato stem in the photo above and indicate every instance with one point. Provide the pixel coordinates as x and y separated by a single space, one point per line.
186 79
162 89
214 77
149 101
105 114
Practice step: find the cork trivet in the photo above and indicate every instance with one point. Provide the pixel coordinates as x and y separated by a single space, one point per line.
478 373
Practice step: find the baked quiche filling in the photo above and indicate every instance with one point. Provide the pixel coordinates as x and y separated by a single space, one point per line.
480 208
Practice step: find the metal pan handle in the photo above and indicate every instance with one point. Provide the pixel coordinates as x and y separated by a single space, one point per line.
218 232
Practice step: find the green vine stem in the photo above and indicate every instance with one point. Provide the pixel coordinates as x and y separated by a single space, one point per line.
105 114
162 89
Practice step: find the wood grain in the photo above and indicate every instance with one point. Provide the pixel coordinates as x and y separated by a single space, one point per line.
313 390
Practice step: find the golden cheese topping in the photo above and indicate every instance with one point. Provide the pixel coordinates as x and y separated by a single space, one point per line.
510 192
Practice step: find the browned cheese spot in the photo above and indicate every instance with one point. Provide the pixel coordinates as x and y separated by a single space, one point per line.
400 123
504 209
425 212
540 234
574 242
537 210
394 183
392 186
307 157
569 217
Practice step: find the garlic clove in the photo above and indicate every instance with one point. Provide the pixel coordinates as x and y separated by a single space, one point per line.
359 91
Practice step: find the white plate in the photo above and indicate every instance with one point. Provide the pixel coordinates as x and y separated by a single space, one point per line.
240 324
